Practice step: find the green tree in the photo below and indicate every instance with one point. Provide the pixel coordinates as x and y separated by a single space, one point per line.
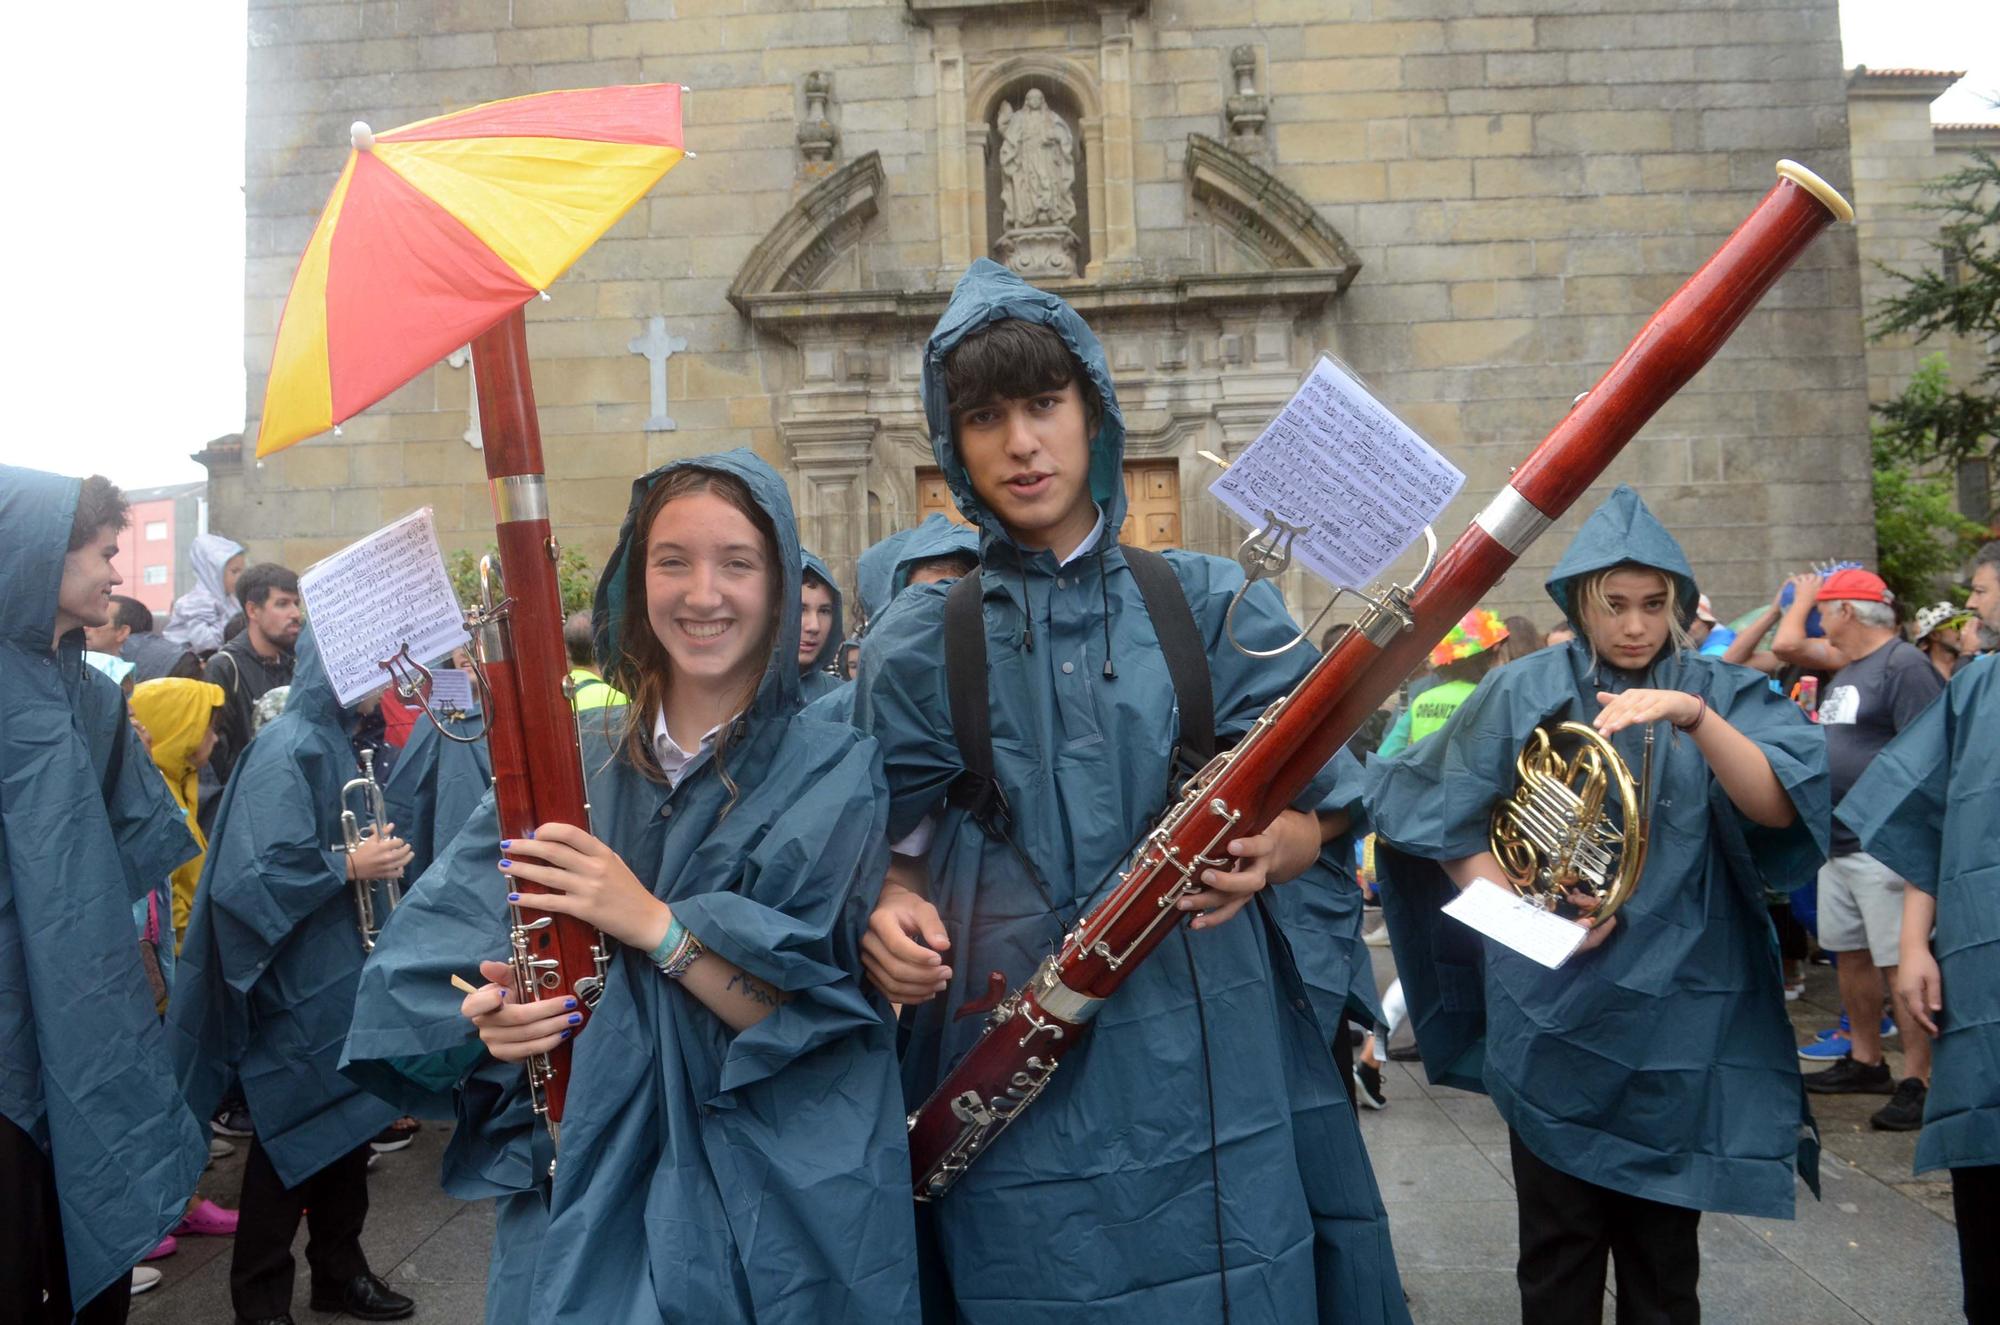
1920 538
1933 422
574 573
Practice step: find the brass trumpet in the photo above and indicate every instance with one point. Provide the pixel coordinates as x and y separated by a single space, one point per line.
353 834
1556 834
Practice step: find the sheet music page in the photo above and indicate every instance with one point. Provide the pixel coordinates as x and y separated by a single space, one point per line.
371 597
1504 916
451 690
1338 462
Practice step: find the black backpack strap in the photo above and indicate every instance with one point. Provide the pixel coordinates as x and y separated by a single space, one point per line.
977 789
1181 646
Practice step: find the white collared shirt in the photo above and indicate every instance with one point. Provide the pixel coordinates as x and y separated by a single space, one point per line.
675 762
1089 543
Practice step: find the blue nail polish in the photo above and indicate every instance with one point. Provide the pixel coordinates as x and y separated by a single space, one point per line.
505 843
576 1019
531 834
571 1003
565 1035
506 864
513 897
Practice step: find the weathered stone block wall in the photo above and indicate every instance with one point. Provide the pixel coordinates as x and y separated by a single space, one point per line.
1523 180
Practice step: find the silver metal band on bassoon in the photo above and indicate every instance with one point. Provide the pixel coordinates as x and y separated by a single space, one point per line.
1511 520
520 497
1060 1001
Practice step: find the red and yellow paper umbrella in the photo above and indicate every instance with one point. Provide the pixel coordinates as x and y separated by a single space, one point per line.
437 230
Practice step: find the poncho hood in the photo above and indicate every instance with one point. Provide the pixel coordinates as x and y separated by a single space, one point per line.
35 513
177 713
311 693
778 692
989 292
1622 532
830 646
208 556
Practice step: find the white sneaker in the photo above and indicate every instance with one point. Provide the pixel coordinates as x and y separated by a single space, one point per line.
219 1148
145 1279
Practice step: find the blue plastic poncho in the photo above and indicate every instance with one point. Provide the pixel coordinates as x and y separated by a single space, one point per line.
884 572
1322 916
1661 1064
436 784
1926 808
268 970
87 828
815 680
704 1177
1099 1204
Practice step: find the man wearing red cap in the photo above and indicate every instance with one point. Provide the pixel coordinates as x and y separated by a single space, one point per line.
1885 684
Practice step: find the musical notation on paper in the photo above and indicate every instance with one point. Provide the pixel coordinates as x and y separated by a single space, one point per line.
1336 461
451 690
369 599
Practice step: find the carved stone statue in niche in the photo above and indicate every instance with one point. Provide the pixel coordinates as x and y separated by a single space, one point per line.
1037 189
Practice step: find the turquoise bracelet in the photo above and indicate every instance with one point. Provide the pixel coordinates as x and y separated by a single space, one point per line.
677 951
662 954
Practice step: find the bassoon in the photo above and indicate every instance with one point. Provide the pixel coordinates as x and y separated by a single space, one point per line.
530 732
1241 791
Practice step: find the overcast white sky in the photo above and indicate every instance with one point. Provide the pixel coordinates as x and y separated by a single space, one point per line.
125 215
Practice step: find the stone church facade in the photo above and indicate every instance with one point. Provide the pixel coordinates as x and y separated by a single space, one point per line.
1474 204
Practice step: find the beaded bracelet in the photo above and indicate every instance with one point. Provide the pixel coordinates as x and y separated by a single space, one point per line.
677 951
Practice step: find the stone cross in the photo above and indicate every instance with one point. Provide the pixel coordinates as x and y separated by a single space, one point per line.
462 358
658 347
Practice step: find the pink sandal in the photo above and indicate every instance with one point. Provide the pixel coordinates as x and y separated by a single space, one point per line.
206 1219
168 1246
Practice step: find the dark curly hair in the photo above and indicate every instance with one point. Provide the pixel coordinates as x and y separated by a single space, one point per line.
1013 360
100 505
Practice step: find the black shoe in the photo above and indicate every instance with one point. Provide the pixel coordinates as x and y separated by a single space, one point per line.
1405 1053
1905 1110
396 1136
1847 1077
363 1297
285 1319
232 1121
1368 1087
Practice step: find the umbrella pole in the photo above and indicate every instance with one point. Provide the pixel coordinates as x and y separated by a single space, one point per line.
537 765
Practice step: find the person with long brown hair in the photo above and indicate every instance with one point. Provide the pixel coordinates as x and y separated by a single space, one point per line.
733 1147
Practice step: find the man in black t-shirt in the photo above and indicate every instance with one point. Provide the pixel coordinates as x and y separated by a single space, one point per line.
1884 685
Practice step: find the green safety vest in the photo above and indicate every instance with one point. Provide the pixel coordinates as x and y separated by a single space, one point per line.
1432 709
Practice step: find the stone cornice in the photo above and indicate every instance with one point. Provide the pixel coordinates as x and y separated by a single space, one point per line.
928 12
1262 212
1304 289
807 239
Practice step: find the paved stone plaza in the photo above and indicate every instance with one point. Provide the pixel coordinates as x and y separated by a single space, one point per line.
1879 1248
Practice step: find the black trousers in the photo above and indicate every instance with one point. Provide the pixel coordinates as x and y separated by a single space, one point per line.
1975 1200
34 1276
1569 1227
333 1201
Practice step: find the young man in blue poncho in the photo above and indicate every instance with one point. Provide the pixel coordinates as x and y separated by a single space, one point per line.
1926 808
733 1145
1198 1154
820 629
265 991
98 1153
1652 1076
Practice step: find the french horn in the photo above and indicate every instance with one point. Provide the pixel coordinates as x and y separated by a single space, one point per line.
1558 833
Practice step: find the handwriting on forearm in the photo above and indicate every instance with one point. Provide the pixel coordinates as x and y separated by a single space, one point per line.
755 990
